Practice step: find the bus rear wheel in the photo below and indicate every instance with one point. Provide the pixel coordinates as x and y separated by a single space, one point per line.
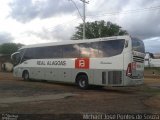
82 81
25 75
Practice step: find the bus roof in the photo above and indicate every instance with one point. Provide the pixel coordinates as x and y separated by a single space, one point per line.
76 41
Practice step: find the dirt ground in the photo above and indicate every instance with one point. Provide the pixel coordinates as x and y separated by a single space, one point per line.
16 94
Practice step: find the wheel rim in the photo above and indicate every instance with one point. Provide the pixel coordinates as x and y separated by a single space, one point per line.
82 83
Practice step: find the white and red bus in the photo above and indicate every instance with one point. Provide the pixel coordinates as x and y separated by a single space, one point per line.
110 61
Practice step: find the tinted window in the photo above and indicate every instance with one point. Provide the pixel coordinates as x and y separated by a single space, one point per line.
43 52
84 49
89 49
56 52
29 54
21 52
111 48
70 51
48 52
94 49
138 45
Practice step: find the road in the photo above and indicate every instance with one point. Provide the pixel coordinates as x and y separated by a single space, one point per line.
37 97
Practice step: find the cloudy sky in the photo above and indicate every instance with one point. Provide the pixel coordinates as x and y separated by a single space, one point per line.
41 21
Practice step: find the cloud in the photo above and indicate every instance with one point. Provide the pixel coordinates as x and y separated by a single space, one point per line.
5 37
142 22
105 6
139 17
152 45
58 34
26 10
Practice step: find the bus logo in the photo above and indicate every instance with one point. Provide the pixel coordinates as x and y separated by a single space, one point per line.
82 63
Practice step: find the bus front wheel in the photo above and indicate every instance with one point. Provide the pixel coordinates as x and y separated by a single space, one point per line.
82 81
25 75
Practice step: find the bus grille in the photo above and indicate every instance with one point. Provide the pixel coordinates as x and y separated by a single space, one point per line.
138 59
114 77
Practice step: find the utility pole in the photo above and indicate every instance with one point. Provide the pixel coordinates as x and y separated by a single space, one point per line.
84 17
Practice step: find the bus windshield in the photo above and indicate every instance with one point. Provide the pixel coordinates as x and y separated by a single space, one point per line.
138 45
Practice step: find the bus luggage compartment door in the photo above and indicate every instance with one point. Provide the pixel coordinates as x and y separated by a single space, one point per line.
114 77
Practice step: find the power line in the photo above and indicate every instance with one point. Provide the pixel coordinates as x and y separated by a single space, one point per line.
77 8
110 14
125 12
84 16
61 24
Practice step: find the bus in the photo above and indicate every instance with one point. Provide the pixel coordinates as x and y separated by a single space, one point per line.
108 61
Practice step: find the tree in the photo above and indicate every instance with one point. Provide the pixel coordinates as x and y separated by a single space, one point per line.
98 29
9 48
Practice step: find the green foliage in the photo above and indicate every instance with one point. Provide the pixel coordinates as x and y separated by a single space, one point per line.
98 29
9 48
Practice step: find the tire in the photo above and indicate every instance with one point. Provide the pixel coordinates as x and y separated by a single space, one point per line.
82 81
25 75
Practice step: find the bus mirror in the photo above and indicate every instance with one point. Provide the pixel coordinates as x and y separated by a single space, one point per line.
14 54
126 44
15 57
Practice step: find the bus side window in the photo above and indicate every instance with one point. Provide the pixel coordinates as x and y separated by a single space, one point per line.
111 48
28 54
55 52
70 51
84 49
48 52
94 50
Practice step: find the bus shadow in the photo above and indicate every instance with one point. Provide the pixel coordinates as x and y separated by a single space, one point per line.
92 88
121 90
